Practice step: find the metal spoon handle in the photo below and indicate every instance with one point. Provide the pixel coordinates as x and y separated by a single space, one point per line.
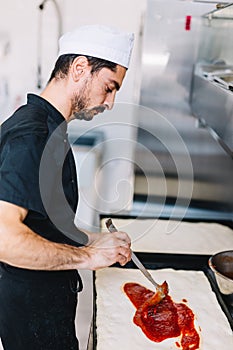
135 259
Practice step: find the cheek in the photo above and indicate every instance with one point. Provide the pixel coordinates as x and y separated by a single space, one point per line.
98 96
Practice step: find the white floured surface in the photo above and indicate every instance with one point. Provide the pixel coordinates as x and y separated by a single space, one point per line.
171 236
115 327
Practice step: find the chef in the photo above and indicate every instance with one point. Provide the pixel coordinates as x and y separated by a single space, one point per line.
41 249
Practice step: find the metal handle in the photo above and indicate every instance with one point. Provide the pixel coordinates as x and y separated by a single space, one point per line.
136 261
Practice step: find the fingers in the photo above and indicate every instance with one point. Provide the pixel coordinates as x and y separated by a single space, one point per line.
124 251
122 260
109 248
109 240
124 256
123 237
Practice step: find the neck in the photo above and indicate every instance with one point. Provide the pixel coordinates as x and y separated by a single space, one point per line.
56 94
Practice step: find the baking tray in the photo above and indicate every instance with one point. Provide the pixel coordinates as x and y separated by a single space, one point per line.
155 261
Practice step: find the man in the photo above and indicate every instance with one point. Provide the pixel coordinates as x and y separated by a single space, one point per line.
40 247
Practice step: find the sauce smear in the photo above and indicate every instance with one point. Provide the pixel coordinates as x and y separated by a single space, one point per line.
163 320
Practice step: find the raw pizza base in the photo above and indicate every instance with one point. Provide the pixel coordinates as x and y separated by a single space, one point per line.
114 319
173 236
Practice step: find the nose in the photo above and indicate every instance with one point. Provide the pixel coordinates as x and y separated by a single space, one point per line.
109 100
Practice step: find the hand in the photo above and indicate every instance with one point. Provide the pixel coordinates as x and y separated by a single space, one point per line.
105 249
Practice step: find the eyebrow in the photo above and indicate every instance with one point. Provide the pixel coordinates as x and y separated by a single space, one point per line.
117 86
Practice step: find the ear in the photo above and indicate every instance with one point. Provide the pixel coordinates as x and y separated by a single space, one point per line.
79 67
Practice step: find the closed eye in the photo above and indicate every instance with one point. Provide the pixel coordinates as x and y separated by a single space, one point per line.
108 90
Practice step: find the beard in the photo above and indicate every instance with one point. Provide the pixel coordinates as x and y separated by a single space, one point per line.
80 105
89 113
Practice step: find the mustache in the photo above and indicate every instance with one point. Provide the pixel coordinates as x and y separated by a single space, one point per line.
88 114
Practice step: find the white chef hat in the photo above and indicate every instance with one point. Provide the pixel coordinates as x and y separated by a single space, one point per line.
98 41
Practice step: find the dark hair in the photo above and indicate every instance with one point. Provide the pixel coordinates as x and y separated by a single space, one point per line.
64 62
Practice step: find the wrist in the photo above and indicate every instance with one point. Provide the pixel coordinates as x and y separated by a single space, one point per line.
83 258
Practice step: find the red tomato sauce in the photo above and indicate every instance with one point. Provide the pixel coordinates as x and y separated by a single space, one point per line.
163 320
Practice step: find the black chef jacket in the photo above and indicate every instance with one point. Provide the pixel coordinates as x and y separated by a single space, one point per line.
25 138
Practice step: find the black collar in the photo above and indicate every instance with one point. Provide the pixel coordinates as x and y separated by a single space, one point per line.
48 107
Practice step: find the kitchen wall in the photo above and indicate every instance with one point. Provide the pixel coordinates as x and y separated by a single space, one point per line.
25 30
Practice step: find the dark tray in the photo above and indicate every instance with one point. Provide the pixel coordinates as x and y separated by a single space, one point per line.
178 262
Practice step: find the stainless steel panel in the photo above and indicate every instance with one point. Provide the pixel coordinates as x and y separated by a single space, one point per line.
169 52
212 171
169 55
213 103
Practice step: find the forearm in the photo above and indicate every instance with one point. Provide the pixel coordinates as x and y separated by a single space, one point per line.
21 247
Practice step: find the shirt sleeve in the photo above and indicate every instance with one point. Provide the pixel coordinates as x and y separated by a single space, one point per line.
20 183
19 171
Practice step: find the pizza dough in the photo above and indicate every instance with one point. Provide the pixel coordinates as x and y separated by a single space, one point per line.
171 236
114 318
